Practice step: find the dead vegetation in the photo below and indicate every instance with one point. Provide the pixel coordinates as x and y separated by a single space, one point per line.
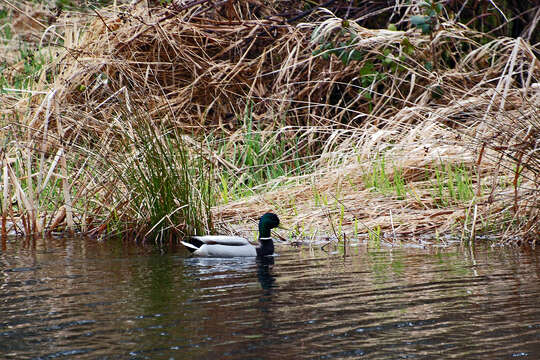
235 74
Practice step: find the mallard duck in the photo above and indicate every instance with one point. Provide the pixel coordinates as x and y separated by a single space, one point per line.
235 246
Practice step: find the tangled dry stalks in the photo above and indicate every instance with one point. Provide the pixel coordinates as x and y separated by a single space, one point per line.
349 93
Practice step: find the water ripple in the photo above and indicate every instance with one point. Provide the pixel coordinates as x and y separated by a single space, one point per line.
80 299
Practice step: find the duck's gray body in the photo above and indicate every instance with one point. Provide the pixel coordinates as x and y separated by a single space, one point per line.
234 246
220 246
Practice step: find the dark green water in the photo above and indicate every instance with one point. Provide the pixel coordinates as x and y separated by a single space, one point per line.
76 298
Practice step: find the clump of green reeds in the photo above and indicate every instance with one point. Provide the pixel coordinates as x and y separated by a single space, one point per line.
451 184
259 154
148 182
167 183
378 178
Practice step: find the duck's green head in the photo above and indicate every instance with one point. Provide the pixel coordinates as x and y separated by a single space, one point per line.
267 222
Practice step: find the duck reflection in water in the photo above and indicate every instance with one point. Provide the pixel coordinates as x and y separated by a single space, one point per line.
264 272
267 280
265 276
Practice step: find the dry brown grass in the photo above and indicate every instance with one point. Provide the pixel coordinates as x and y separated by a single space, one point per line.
431 99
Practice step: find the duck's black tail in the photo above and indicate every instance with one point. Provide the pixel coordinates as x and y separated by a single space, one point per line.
192 244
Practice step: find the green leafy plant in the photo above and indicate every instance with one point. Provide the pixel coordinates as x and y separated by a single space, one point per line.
429 20
343 50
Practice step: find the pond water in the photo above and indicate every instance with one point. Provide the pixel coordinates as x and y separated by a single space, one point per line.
77 298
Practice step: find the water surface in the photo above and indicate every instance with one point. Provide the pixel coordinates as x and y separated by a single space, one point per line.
77 298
